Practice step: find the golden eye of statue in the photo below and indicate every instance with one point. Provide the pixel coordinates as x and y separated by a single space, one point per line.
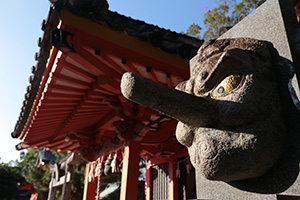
226 85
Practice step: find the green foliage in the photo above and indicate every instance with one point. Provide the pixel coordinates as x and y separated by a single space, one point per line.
217 18
226 14
10 181
40 177
242 9
78 181
193 31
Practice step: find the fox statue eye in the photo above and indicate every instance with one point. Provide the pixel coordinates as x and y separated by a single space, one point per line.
227 85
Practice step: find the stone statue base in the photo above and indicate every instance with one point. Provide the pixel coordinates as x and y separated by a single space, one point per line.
218 190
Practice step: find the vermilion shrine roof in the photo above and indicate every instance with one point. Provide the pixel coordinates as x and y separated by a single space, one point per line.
74 100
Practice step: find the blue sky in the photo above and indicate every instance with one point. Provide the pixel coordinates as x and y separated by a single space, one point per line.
20 29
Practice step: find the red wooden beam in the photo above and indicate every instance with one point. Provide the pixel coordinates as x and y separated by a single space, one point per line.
49 117
37 143
65 145
297 9
70 80
56 143
152 75
104 120
173 181
112 63
148 182
89 187
66 96
58 108
89 60
58 102
109 83
131 68
84 120
39 94
62 146
71 146
82 105
88 117
49 121
169 82
36 131
77 70
104 91
96 95
90 112
53 112
52 115
61 88
130 171
97 62
91 97
79 104
123 46
94 105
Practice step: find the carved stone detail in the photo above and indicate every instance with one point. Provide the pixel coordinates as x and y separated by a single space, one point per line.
231 120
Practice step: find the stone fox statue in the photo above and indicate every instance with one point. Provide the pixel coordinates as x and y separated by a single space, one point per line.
229 110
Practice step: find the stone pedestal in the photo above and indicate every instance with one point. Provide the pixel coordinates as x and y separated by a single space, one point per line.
218 190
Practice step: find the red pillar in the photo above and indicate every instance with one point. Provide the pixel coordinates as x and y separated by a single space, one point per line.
89 187
130 171
173 181
148 182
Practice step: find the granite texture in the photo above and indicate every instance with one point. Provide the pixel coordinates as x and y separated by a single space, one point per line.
274 22
247 135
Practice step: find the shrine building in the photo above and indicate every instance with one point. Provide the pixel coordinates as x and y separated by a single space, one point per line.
74 103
